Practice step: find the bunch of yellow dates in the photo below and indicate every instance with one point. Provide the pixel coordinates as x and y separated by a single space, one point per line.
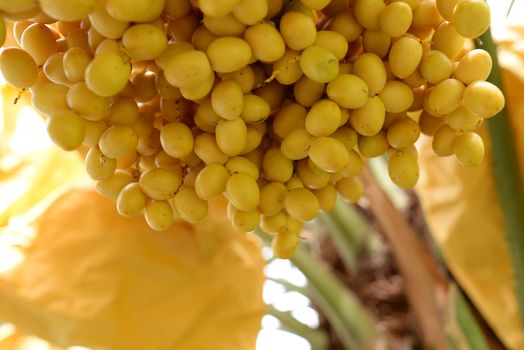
275 104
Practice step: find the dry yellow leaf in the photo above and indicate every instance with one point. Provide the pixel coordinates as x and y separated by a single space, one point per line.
74 272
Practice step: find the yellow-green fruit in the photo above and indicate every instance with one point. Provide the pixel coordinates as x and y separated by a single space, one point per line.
469 148
298 30
474 65
245 77
199 91
144 42
446 96
111 187
189 206
285 244
188 69
430 124
484 99
274 224
98 166
323 118
316 4
276 166
159 183
344 22
403 169
296 144
289 118
159 215
307 91
333 41
355 165
329 154
373 146
245 220
435 66
211 181
367 12
294 182
75 62
173 49
348 91
397 96
226 25
369 119
228 54
66 129
404 56
370 68
403 133
231 136
319 64
301 204
443 141
176 139
49 98
347 135
217 9
104 24
447 40
462 119
446 7
227 99
135 10
18 68
131 200
86 103
207 150
395 19
93 131
255 109
104 65
118 141
123 111
287 69
237 165
377 42
39 41
266 42
272 198
251 12
54 69
327 197
350 188
471 18
72 10
311 176
243 192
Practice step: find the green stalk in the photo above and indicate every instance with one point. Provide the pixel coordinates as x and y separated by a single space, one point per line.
348 231
290 287
510 8
317 338
353 324
466 321
508 179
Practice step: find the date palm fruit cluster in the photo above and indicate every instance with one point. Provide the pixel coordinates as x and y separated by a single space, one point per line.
276 104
